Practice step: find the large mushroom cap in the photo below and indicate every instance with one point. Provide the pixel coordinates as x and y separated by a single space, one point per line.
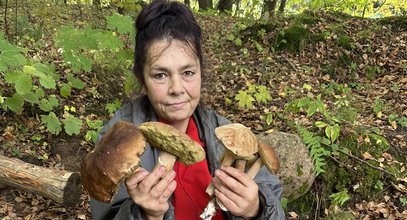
269 157
237 138
169 139
116 156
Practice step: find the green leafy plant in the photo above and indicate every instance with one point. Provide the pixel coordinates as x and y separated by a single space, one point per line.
94 127
307 104
72 125
82 47
339 198
245 97
379 185
378 107
113 106
317 151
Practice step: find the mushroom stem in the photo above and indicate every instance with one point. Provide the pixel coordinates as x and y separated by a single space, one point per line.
255 168
228 158
209 211
166 159
240 164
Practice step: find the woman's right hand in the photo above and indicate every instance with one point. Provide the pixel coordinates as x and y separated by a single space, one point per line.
151 191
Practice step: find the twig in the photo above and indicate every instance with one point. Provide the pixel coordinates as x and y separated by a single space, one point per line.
5 20
367 163
291 64
340 163
16 23
317 208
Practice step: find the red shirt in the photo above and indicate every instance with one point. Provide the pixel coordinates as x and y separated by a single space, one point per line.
190 198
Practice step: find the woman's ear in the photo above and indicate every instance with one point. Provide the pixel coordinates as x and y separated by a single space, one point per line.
143 90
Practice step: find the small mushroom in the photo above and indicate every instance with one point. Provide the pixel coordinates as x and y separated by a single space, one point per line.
172 144
240 144
267 157
115 157
238 140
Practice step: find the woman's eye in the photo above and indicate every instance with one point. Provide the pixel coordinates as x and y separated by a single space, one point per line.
189 73
159 76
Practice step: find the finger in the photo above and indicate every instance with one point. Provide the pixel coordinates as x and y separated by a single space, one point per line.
228 182
150 180
223 188
134 179
162 185
237 174
168 191
228 203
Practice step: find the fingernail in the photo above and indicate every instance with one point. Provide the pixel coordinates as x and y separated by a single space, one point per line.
162 169
218 172
171 174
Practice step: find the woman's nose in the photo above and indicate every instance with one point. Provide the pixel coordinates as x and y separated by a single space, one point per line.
176 85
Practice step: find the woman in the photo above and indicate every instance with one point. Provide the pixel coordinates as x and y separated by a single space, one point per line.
169 63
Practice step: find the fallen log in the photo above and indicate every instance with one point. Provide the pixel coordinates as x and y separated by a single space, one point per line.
61 186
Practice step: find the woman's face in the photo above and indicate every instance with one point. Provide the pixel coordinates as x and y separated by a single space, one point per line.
172 80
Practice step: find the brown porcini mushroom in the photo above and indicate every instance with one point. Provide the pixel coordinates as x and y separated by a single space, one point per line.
173 144
240 144
239 141
268 157
115 157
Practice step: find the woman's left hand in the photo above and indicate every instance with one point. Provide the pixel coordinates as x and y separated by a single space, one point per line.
237 191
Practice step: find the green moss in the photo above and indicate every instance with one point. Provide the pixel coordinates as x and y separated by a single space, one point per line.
293 38
303 205
344 41
364 34
346 113
306 17
395 23
299 170
367 178
344 60
340 215
337 179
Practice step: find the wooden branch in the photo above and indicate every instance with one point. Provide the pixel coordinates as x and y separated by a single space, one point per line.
367 163
61 186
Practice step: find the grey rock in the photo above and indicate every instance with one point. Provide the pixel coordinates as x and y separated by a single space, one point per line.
296 166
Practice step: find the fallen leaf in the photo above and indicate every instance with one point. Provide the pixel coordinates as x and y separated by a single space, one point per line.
367 156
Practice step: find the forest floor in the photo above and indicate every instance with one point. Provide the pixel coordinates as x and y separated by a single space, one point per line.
359 66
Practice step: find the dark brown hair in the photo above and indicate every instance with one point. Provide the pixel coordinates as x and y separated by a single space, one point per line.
160 20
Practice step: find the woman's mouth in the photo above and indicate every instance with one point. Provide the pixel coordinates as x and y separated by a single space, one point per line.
177 105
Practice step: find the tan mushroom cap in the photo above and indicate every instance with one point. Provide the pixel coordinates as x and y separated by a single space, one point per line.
269 157
169 139
237 138
116 156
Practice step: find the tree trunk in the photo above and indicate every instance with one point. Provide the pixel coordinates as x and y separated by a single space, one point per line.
237 7
205 4
96 3
61 186
188 3
282 6
6 21
225 6
269 8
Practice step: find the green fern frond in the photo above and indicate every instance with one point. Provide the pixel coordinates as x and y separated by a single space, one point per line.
317 151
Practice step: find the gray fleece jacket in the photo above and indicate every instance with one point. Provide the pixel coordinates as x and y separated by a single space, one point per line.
139 111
